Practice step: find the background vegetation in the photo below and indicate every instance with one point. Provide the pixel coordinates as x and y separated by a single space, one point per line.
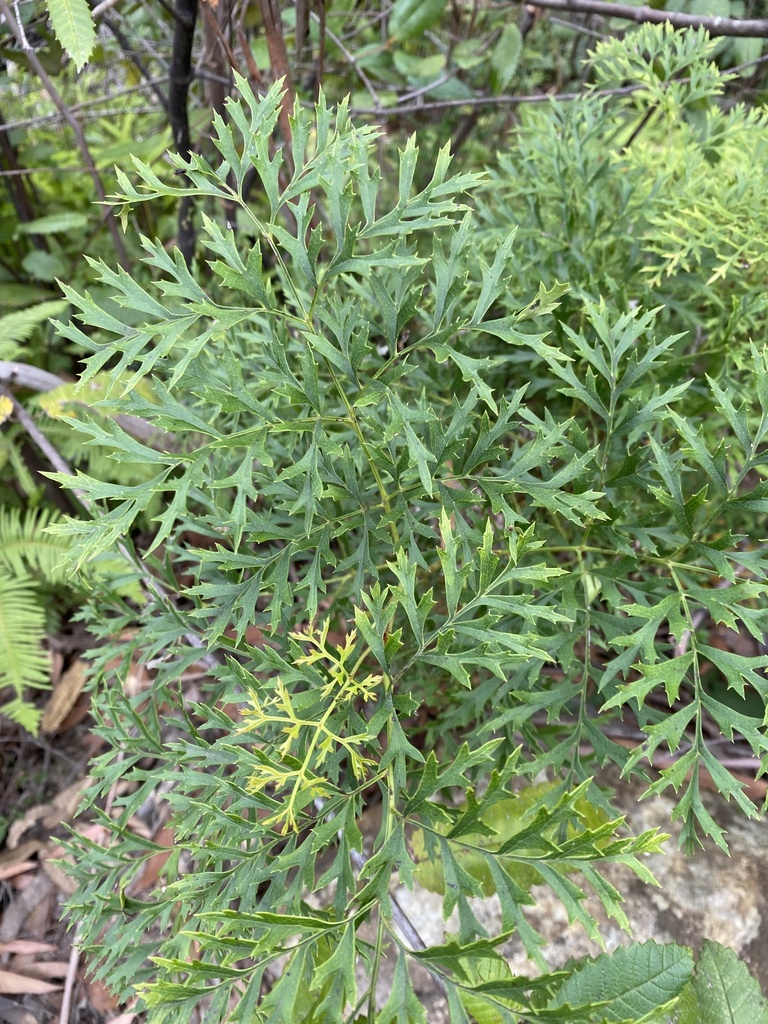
447 472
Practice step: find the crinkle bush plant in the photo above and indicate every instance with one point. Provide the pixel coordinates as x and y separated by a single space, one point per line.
412 591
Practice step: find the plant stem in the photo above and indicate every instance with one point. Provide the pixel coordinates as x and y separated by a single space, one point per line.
74 124
178 92
750 28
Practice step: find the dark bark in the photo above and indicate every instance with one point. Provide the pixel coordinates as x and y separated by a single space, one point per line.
278 57
19 190
219 60
180 78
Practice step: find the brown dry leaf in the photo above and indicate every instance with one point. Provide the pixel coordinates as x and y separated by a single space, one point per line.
138 678
147 880
233 711
40 968
136 825
17 854
19 868
100 998
64 806
19 912
18 984
57 666
22 825
22 882
63 882
26 947
96 833
738 642
255 637
64 696
42 918
123 1018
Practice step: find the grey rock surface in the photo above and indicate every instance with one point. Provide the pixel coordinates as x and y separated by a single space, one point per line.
711 895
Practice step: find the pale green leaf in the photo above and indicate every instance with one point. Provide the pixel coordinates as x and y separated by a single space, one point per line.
506 56
633 981
411 18
722 991
72 22
53 223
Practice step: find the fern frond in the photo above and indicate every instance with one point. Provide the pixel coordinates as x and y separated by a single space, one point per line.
25 546
23 662
24 714
19 326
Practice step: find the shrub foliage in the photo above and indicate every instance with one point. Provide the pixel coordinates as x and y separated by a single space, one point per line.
430 534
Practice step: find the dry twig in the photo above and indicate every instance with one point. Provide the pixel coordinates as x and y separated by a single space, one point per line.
152 586
745 27
74 124
69 983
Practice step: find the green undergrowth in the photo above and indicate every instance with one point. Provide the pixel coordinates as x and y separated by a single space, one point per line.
430 528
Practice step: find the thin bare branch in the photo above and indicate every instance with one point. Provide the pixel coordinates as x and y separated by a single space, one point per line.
217 36
76 108
320 49
69 982
74 124
170 9
574 26
135 59
105 5
57 461
489 101
353 63
25 44
746 27
42 443
24 375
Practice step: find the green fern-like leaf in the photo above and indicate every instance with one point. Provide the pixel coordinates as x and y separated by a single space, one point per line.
26 548
23 662
73 24
19 326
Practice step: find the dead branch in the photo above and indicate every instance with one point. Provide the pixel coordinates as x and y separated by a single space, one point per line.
135 59
75 108
490 101
746 27
278 58
353 63
74 124
152 586
32 377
